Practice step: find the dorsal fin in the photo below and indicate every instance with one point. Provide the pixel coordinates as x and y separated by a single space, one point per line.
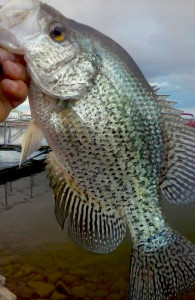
164 102
31 141
89 224
178 178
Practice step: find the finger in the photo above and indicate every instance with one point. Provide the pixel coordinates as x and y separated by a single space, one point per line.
15 91
5 55
5 108
16 71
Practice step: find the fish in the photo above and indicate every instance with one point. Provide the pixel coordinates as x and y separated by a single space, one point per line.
117 145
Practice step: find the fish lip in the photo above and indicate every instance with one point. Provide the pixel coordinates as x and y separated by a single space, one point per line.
19 51
12 14
9 42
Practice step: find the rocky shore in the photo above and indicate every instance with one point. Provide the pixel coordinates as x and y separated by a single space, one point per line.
66 272
60 272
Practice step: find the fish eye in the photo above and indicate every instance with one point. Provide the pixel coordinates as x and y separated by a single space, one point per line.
57 33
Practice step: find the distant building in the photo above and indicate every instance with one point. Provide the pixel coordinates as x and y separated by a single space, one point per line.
26 117
15 114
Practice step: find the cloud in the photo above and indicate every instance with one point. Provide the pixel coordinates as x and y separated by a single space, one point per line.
161 84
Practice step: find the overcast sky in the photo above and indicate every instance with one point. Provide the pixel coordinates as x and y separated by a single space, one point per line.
158 34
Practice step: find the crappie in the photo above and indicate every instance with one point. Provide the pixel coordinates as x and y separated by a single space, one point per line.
116 145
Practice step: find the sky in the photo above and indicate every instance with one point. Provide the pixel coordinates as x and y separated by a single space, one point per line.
159 35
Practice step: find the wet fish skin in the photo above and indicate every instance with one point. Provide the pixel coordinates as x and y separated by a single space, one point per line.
111 145
114 113
110 153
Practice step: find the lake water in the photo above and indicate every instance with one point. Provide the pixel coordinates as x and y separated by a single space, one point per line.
9 159
41 262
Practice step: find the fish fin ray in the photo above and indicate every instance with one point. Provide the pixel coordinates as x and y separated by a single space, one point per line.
75 125
89 224
31 141
164 273
178 175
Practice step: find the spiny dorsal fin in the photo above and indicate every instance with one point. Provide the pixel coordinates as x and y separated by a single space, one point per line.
169 111
155 88
163 97
89 224
161 101
31 141
178 178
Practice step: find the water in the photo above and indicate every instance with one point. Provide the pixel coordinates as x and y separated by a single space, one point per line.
34 250
9 159
41 262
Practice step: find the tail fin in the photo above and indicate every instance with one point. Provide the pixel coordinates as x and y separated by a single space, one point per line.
161 275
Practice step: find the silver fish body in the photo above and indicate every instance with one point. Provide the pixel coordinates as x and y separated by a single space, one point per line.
115 144
112 149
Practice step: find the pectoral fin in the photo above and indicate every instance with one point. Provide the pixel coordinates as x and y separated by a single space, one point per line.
31 141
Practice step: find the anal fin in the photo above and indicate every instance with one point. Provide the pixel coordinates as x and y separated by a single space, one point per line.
89 224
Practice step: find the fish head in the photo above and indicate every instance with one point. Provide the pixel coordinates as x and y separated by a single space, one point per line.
57 62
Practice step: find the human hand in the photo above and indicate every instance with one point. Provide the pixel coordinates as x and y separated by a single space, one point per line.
14 81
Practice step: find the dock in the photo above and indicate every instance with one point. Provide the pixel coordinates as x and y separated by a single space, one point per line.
11 135
18 147
31 166
12 130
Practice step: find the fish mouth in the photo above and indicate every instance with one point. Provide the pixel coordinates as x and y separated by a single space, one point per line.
18 19
8 41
